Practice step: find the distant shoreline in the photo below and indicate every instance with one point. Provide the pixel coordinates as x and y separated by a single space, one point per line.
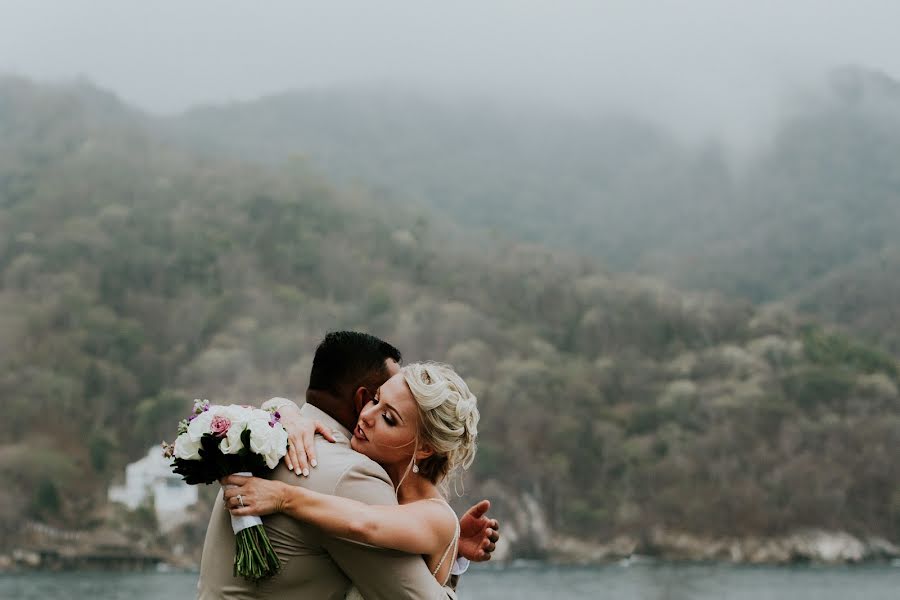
512 565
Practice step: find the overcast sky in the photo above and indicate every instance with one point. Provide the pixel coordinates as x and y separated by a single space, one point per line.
693 61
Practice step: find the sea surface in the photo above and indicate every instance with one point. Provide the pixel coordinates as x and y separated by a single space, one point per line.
530 581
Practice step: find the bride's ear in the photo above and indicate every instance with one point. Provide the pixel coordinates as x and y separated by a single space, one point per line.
424 452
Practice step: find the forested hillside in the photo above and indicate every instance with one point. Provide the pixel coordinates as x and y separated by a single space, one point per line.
819 198
136 275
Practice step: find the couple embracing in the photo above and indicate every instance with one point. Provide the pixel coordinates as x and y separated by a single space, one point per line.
357 512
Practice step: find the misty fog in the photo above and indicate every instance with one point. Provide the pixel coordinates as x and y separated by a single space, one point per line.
700 67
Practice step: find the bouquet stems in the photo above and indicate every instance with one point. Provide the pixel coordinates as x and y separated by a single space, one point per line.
254 557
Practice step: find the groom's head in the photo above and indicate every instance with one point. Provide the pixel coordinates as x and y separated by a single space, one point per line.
347 369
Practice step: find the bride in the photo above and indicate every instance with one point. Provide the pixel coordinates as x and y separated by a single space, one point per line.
421 426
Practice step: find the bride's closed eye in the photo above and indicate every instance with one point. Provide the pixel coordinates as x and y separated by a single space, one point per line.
388 418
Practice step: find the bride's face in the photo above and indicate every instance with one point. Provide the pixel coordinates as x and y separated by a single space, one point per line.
387 426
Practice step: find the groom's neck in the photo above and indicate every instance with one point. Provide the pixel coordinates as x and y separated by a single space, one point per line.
340 409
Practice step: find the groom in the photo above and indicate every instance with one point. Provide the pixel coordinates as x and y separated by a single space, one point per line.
347 369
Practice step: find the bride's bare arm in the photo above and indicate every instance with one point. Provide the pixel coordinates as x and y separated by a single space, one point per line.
417 527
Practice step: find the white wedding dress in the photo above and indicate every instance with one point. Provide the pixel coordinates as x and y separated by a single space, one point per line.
354 593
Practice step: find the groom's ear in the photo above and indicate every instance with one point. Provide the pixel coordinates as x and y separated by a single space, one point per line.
360 399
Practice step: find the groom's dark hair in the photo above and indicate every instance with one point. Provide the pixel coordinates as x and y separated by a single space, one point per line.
350 359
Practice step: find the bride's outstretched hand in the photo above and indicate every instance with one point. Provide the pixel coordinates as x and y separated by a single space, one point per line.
252 495
478 534
301 452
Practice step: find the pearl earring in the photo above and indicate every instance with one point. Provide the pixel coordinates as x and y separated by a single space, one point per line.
415 468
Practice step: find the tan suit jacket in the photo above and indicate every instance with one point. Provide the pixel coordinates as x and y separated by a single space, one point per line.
314 564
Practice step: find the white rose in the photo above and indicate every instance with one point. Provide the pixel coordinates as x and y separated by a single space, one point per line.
231 443
239 416
199 426
242 414
186 448
267 441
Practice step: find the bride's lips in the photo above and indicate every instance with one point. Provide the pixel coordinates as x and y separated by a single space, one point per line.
359 434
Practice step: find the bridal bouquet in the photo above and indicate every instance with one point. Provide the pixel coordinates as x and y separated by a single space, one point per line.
217 441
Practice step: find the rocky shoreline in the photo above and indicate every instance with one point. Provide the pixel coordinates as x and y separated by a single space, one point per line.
526 533
811 545
808 546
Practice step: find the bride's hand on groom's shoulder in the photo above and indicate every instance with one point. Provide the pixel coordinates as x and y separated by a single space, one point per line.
478 534
252 496
301 452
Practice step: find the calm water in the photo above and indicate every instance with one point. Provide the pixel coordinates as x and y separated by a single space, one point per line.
643 582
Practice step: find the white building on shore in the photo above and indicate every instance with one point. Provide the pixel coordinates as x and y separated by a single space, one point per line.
151 480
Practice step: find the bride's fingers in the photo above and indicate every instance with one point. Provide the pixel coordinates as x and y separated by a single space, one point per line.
231 494
478 510
307 456
232 500
493 535
292 458
326 432
234 507
309 444
488 547
239 500
303 453
237 480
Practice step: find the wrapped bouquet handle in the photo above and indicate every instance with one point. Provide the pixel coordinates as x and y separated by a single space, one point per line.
239 524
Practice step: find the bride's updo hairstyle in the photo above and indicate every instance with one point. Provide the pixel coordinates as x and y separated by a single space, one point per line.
448 415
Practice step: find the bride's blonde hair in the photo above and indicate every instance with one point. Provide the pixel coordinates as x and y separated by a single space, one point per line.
448 415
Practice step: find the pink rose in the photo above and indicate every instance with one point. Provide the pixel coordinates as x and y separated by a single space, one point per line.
219 426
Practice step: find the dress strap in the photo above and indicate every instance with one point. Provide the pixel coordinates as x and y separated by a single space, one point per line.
454 543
